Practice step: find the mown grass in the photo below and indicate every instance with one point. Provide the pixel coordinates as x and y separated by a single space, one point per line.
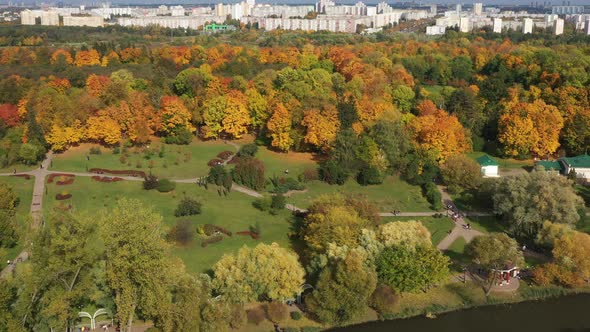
234 212
487 224
392 194
24 191
506 163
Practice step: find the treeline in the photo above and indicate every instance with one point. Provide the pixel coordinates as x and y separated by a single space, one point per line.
442 98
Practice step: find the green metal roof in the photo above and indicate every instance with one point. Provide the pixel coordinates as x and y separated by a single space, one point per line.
486 160
581 161
550 165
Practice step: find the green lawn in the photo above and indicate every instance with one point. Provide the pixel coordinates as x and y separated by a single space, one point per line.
234 212
438 227
393 194
468 201
487 224
24 190
178 162
506 163
275 163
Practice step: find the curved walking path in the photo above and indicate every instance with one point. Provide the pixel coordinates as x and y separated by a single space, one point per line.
460 229
39 190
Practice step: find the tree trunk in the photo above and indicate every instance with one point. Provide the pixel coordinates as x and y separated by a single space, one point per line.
492 279
130 320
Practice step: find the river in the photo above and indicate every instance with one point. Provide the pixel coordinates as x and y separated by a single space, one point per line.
563 314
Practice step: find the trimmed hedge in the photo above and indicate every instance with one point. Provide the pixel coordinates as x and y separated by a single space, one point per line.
139 174
61 197
52 176
106 179
214 162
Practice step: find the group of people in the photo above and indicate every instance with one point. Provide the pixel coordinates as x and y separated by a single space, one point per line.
396 212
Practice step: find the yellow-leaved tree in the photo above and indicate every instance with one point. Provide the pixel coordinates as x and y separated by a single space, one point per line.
60 137
103 129
279 127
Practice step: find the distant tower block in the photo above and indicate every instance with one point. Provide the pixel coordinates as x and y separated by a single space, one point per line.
558 26
464 24
477 8
527 25
587 27
497 28
458 8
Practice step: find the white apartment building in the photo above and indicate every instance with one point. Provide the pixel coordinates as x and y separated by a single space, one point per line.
567 10
464 24
477 8
80 21
527 25
177 11
282 11
173 22
436 30
497 25
558 26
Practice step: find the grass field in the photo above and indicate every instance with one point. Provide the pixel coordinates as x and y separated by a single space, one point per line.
275 163
506 163
393 194
457 251
178 161
234 212
24 190
438 227
487 224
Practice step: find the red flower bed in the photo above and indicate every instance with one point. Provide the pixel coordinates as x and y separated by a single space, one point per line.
106 179
139 174
25 176
67 181
61 197
253 235
225 155
54 175
214 162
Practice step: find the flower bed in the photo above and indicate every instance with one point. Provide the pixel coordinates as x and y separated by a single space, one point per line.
66 181
54 175
139 174
211 240
225 155
253 235
106 179
61 197
214 162
25 176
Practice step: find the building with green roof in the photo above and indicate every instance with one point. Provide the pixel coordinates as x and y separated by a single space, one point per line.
489 167
580 164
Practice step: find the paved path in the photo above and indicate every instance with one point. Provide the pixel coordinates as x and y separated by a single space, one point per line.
459 230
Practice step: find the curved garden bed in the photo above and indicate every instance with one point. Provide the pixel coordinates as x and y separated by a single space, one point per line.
139 174
106 179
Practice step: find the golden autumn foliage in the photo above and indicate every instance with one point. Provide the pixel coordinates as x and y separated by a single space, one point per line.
63 54
174 115
279 127
439 132
60 85
96 84
130 54
103 129
322 127
87 58
60 137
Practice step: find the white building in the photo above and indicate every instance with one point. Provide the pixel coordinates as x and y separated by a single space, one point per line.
527 25
558 26
587 28
567 10
177 11
477 8
436 30
497 25
464 25
458 8
80 21
489 167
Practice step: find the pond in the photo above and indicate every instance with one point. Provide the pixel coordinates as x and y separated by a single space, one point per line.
568 313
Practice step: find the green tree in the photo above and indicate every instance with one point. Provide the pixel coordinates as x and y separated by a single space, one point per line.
409 234
191 82
460 172
8 224
411 269
265 272
527 200
343 290
138 263
393 139
494 251
403 98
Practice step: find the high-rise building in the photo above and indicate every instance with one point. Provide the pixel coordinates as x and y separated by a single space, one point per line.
587 27
433 9
477 8
497 25
558 26
464 24
527 25
458 8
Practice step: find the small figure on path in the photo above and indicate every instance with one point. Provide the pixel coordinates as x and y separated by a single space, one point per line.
88 158
523 247
41 166
286 171
15 171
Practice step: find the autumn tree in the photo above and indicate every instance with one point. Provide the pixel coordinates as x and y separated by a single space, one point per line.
87 58
60 138
8 224
343 290
265 272
322 127
571 265
175 117
494 251
138 262
460 172
9 115
279 127
103 129
408 234
61 55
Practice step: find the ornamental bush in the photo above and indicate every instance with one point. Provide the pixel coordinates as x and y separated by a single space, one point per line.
165 186
188 207
150 182
248 150
182 233
250 173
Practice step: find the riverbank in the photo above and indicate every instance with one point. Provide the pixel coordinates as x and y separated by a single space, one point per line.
565 313
443 301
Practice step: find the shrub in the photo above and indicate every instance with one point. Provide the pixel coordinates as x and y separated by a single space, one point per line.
291 329
309 174
248 150
211 240
165 186
256 315
262 204
283 185
181 136
332 173
219 176
433 195
276 311
369 175
182 233
311 329
296 315
150 182
116 150
225 155
383 299
278 202
215 162
250 173
209 229
188 207
237 318
95 150
256 229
